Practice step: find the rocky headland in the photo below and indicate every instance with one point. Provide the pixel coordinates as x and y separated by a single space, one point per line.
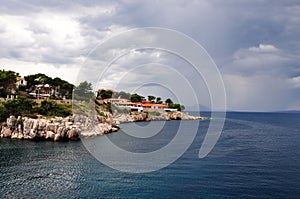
78 126
158 115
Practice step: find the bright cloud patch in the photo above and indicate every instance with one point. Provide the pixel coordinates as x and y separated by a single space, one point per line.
265 59
264 48
295 81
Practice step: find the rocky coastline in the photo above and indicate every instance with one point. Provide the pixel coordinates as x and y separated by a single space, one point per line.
73 127
154 116
54 129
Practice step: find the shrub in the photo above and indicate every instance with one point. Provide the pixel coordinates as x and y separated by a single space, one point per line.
20 106
51 108
3 113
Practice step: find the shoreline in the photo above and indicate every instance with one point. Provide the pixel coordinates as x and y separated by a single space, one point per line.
73 128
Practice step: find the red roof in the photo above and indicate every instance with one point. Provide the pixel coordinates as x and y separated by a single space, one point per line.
155 105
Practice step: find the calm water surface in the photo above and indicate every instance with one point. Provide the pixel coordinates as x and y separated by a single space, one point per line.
257 156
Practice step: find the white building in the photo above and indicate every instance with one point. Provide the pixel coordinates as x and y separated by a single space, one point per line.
21 81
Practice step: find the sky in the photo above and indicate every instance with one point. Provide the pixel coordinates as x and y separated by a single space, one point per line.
255 44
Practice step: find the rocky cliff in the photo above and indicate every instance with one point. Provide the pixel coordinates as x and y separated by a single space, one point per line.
85 124
154 116
56 129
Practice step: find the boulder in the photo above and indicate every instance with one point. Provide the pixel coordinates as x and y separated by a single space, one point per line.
15 134
20 129
115 128
73 134
6 133
32 134
176 115
10 122
42 125
49 135
20 136
56 137
50 127
61 131
40 134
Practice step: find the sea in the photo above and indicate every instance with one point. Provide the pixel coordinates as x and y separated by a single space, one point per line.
256 156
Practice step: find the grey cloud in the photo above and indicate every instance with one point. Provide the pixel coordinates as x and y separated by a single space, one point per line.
231 31
222 27
264 59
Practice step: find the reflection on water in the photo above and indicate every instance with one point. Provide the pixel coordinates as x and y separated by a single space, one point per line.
32 169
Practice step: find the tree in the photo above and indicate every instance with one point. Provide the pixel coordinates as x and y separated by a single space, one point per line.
136 97
169 101
122 95
179 107
63 87
47 108
20 106
36 79
105 94
8 81
151 98
3 113
83 91
158 100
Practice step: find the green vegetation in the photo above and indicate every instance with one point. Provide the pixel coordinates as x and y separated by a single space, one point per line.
136 97
105 94
121 94
63 87
159 100
56 88
23 106
3 113
20 106
151 98
169 101
179 107
83 91
51 108
33 80
8 81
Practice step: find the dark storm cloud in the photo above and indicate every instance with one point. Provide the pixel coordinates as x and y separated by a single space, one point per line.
254 43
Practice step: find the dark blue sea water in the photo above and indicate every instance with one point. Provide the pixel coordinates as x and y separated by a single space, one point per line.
257 156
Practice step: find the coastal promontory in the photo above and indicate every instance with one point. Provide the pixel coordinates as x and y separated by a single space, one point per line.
38 107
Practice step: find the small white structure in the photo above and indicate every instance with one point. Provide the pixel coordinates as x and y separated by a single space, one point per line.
21 81
41 91
137 108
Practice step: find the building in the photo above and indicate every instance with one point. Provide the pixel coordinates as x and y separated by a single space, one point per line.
154 106
116 101
21 81
42 91
138 106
